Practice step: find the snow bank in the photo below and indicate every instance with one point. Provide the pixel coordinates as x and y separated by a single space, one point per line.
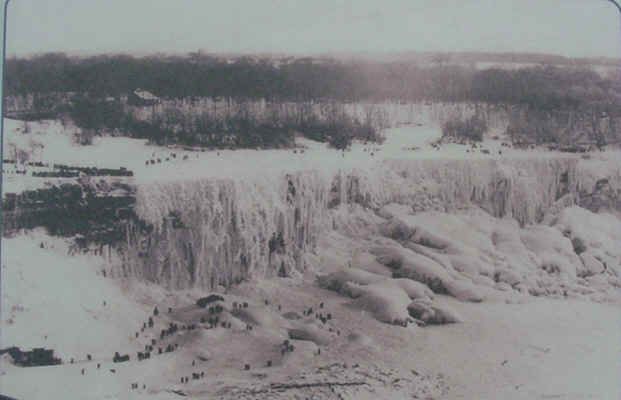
598 236
385 303
261 317
407 264
473 256
474 251
309 331
61 301
433 314
384 297
336 281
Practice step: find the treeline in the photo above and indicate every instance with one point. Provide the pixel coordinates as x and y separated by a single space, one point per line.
306 79
244 78
463 130
547 89
551 101
240 126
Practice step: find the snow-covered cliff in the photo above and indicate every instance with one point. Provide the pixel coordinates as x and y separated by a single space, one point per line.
205 232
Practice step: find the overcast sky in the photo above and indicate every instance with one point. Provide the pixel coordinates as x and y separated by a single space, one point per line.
567 27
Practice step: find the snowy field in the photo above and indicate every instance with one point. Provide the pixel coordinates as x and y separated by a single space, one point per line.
50 142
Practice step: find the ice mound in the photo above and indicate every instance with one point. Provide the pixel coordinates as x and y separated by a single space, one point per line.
472 255
384 297
309 331
465 290
235 349
291 316
393 209
465 254
361 339
595 237
261 317
336 281
433 314
592 266
552 248
366 261
192 314
408 264
385 303
470 265
415 290
349 280
218 230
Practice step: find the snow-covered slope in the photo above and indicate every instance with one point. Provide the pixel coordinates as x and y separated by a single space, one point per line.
60 298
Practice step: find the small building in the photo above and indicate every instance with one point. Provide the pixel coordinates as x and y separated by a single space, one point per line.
140 97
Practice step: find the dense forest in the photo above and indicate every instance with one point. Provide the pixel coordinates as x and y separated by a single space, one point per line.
305 79
244 78
542 93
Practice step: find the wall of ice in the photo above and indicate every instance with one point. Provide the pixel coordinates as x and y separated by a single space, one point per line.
206 232
209 232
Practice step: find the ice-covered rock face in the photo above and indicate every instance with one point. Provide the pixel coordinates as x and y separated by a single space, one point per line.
537 259
211 232
208 232
521 189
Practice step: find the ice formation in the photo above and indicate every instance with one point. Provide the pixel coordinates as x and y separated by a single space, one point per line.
223 218
208 232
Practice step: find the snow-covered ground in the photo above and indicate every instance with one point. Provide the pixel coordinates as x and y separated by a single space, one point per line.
485 272
507 347
50 142
60 299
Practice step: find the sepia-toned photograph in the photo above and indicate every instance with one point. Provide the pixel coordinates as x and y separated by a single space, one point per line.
311 200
